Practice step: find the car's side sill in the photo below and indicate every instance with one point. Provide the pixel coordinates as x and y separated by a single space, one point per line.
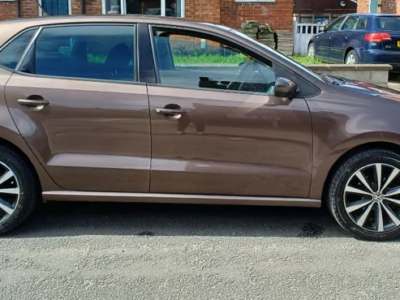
177 198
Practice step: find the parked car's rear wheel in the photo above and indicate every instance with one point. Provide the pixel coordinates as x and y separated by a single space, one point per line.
364 195
351 58
311 50
19 190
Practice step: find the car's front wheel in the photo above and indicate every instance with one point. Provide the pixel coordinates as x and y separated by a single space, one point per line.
351 58
364 195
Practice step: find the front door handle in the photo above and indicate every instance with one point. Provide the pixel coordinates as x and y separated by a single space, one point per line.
33 104
170 111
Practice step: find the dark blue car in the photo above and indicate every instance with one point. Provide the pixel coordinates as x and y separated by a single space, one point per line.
359 38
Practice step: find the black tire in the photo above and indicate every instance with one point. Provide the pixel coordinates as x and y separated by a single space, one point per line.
29 189
336 190
353 54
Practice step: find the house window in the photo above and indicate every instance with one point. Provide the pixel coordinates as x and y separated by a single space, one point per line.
169 8
55 7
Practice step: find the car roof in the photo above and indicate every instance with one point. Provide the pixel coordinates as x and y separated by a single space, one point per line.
373 15
11 27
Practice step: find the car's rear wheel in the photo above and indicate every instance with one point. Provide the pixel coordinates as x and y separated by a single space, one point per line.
364 195
19 190
311 50
351 58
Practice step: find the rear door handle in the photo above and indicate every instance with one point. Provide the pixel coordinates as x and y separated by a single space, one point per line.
330 38
170 111
33 104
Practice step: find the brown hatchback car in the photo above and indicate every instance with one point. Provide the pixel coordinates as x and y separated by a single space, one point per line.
148 109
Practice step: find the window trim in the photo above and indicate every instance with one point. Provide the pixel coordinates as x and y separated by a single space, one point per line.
69 8
340 26
347 18
27 47
239 46
33 40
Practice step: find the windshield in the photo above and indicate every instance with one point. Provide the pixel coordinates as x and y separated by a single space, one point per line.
388 23
269 49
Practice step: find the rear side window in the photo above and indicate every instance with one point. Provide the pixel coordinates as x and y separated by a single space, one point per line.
335 25
12 52
91 52
362 23
350 23
388 23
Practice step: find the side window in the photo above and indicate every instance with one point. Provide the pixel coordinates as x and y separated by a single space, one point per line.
92 52
12 52
362 23
188 60
350 23
335 25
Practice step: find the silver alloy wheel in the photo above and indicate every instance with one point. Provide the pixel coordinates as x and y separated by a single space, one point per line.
311 50
9 192
372 197
351 59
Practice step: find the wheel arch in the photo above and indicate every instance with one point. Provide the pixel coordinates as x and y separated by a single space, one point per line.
384 145
347 52
15 142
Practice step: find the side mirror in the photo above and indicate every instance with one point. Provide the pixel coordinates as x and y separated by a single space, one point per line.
285 88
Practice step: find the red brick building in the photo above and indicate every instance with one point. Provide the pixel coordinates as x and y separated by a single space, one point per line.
380 6
278 13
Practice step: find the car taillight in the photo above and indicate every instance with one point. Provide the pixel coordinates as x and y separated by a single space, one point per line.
377 37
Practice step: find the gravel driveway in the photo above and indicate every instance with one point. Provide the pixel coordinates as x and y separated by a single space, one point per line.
131 251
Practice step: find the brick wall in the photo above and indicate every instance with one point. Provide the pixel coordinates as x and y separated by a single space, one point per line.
388 6
203 10
363 6
228 12
278 14
8 10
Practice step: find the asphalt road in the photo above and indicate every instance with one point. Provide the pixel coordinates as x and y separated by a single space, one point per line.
131 251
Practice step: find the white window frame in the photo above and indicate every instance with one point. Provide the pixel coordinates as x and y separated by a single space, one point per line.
69 8
163 5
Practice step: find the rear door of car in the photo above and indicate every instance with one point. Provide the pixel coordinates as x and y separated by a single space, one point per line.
325 40
342 38
77 102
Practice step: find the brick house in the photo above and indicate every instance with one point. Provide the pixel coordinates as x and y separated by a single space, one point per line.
380 6
278 13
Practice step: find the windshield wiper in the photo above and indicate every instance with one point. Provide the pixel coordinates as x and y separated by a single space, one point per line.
332 79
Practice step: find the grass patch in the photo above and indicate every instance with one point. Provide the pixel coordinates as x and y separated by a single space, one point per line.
307 60
208 59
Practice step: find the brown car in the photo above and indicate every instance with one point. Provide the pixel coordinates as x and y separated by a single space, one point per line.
147 109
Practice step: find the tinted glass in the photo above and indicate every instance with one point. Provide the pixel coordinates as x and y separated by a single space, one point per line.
350 23
12 53
189 61
388 23
362 23
335 25
94 52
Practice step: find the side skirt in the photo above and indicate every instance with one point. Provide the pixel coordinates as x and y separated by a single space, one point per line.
177 198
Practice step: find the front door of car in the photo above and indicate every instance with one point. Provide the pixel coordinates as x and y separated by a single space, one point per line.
217 127
76 102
